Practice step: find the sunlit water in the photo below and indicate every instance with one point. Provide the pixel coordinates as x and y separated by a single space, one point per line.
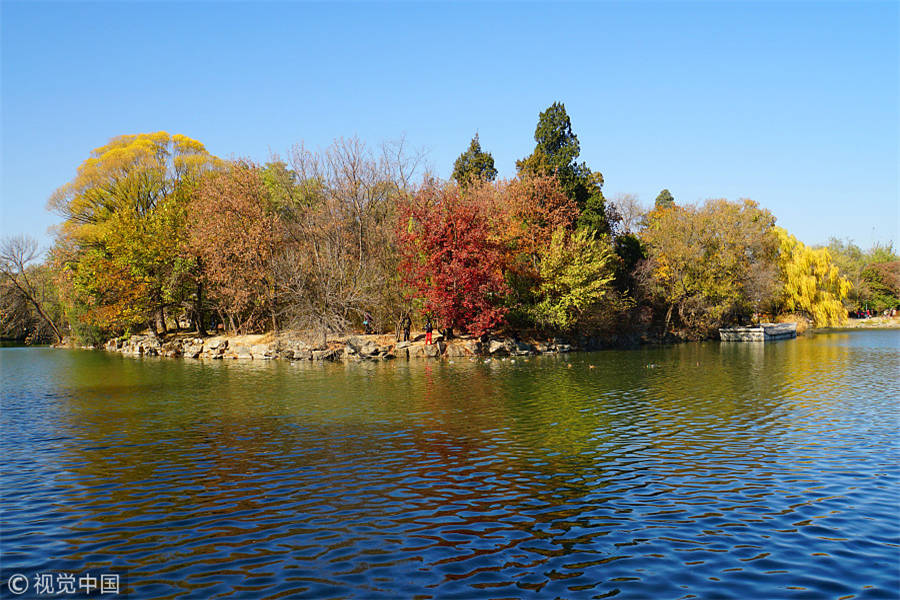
704 470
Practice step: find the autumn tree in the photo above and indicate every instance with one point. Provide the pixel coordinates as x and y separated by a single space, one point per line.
883 283
124 223
474 165
527 211
235 231
523 213
704 261
340 258
811 283
450 260
28 303
575 278
556 153
865 271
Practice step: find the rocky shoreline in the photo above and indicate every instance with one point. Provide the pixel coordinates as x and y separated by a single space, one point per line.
350 348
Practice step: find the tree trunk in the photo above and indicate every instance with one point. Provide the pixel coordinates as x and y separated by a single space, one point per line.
668 318
30 296
198 310
161 320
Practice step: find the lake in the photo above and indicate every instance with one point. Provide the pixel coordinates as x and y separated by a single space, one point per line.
700 470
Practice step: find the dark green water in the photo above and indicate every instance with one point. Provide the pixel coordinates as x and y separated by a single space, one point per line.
704 470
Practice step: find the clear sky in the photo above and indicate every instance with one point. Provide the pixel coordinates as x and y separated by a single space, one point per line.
795 105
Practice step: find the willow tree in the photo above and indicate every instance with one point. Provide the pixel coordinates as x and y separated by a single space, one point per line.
125 226
811 281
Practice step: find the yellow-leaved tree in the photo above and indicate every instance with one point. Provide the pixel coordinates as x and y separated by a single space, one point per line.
812 284
124 230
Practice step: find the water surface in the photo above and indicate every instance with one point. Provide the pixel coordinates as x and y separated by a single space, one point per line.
703 470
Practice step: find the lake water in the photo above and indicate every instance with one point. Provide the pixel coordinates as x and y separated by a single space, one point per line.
703 470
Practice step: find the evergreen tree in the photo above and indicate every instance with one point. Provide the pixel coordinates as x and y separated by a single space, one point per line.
665 199
474 164
555 153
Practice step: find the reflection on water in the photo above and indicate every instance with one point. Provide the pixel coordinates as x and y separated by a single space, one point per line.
712 470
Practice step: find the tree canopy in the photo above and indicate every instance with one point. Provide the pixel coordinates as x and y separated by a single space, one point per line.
556 152
474 165
812 283
125 224
664 199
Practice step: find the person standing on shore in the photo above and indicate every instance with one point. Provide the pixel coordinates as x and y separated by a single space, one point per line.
428 329
406 324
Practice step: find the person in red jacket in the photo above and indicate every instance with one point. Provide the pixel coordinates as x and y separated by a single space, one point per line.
428 329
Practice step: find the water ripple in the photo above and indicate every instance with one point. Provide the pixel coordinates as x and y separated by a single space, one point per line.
727 471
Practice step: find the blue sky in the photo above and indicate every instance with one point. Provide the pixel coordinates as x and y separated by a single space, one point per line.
795 105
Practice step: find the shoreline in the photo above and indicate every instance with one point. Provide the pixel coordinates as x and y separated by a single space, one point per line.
294 345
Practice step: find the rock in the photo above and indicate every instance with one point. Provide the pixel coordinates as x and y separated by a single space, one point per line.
357 343
302 354
462 348
455 351
192 349
497 347
523 349
402 345
171 349
431 350
368 349
241 352
323 354
263 351
217 346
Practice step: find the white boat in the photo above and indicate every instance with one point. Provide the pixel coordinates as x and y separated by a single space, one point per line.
764 332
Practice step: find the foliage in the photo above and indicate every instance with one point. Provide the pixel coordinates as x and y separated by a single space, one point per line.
555 154
664 199
527 211
630 251
812 283
450 259
29 301
703 261
871 288
883 282
124 223
474 165
153 224
236 235
575 276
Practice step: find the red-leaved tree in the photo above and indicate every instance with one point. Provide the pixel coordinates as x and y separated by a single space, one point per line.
449 258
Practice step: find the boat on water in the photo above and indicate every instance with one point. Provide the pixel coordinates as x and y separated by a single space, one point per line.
764 332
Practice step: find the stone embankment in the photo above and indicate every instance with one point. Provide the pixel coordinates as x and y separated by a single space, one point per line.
352 348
